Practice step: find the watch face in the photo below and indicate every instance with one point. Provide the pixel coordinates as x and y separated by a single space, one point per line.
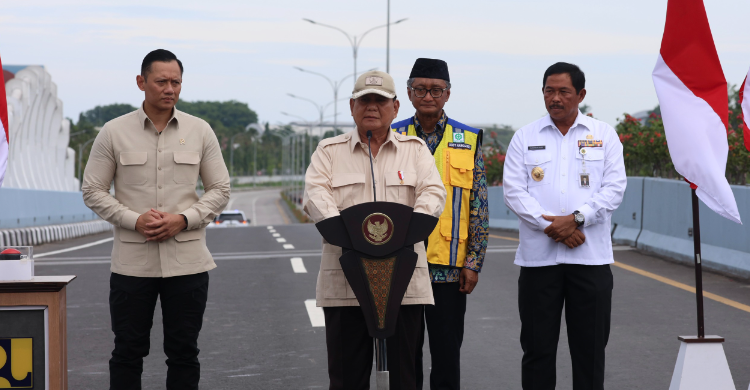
579 218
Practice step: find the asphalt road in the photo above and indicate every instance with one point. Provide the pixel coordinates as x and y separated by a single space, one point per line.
259 334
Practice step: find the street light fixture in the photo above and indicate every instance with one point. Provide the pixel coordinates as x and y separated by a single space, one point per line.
335 85
321 109
353 38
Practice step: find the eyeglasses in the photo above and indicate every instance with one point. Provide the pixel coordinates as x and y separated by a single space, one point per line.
422 92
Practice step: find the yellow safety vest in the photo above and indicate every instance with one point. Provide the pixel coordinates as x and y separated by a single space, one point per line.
454 158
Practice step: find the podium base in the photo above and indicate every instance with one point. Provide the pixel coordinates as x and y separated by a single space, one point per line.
382 380
701 364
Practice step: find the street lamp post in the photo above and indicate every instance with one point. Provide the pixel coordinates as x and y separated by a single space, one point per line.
335 85
321 110
353 40
80 159
258 128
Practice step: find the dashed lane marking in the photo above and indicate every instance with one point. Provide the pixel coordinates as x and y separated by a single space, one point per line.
317 319
298 265
276 235
269 227
288 246
683 286
75 248
281 239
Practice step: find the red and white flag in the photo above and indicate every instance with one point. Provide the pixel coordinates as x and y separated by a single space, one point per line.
692 93
4 137
745 104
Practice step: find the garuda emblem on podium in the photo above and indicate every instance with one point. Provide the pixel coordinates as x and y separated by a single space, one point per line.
377 228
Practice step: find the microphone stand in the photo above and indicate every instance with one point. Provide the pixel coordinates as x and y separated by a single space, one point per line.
382 377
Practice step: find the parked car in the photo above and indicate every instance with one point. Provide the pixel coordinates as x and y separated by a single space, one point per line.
230 218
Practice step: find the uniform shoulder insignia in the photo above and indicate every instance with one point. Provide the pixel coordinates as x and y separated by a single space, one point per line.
407 138
341 138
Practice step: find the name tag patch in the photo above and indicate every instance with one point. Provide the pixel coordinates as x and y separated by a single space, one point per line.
540 147
459 146
590 143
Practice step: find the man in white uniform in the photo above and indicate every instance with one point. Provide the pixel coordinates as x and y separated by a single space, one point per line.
564 176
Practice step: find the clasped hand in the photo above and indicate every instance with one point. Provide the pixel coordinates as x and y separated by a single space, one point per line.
564 229
159 226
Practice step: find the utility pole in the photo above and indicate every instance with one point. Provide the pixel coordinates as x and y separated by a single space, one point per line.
388 41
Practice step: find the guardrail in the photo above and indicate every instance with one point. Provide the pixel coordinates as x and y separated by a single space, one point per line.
43 234
656 216
23 208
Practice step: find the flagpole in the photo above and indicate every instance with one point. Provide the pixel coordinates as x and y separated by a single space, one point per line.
698 268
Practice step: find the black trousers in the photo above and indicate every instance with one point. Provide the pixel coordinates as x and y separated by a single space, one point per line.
445 326
586 293
350 348
131 305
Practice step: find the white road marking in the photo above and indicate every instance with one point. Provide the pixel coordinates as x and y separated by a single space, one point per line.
298 265
105 260
317 319
280 239
237 376
269 227
288 246
75 248
276 235
272 231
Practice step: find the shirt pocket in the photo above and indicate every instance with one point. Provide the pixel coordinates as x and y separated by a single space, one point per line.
133 166
594 164
450 231
541 160
133 248
461 167
190 246
186 167
347 186
400 191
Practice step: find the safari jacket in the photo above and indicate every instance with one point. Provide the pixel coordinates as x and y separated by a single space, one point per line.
160 171
339 177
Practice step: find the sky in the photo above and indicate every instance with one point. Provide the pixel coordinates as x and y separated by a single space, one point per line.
497 51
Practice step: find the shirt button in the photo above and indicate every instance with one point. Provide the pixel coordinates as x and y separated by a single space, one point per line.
160 168
563 157
563 174
159 150
563 210
160 205
563 191
159 187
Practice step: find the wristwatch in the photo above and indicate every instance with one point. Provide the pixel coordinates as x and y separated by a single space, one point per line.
186 222
579 218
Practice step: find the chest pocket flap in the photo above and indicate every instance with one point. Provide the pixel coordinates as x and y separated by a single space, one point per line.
133 158
592 154
536 158
187 157
410 179
345 179
461 168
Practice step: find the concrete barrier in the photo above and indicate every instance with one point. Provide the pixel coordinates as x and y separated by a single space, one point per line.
44 234
668 223
26 208
656 216
500 215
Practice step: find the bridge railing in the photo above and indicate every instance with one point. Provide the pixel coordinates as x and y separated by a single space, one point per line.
655 216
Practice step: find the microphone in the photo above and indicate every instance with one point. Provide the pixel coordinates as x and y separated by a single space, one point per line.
372 170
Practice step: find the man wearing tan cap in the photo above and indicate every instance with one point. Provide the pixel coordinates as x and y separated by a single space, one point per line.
340 176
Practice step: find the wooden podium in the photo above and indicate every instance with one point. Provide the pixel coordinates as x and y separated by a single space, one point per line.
27 307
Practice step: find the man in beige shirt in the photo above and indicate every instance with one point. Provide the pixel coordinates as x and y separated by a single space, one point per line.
339 176
155 156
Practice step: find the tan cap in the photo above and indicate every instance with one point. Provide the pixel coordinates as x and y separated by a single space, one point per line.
374 81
